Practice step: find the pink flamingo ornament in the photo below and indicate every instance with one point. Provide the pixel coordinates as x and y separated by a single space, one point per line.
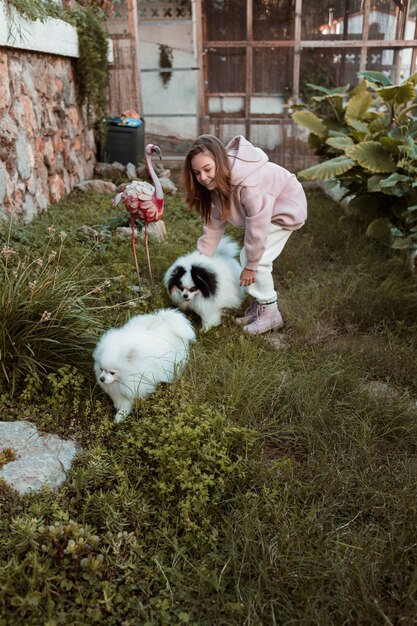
144 202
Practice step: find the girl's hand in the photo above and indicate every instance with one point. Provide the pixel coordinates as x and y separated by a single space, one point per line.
247 277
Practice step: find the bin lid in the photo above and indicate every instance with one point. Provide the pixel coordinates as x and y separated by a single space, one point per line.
121 120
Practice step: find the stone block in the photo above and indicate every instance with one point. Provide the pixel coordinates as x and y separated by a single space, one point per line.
41 460
3 181
4 82
100 186
23 155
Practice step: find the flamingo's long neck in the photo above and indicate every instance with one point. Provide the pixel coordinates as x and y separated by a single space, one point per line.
159 194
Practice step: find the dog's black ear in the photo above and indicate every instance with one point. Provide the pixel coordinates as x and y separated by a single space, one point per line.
175 278
204 280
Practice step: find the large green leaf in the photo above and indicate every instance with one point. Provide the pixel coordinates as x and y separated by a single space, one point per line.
327 169
394 179
309 120
360 126
375 77
400 94
330 96
314 142
411 214
372 156
391 144
358 136
374 183
362 204
358 106
379 229
411 79
340 143
334 125
409 148
360 87
396 185
382 122
329 91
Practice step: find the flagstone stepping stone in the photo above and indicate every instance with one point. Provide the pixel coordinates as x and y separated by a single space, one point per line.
40 460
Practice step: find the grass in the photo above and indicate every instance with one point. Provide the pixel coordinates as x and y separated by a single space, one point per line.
265 486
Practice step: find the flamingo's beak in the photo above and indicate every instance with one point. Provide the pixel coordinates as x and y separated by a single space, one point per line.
151 148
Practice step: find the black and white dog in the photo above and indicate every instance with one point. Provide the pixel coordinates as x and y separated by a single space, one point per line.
207 284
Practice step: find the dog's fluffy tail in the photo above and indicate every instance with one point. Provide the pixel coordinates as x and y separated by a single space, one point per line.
227 247
178 322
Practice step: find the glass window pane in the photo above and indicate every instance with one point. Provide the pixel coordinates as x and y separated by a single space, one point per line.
272 70
385 20
226 70
273 19
410 26
226 104
284 142
268 105
394 63
328 68
226 129
324 19
405 63
225 20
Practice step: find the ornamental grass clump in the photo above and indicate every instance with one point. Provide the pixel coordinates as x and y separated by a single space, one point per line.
46 317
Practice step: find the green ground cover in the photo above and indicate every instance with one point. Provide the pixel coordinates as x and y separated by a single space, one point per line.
268 485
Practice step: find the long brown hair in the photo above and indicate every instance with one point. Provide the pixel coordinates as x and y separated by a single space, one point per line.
197 196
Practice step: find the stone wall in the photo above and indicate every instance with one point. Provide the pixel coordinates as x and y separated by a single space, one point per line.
46 146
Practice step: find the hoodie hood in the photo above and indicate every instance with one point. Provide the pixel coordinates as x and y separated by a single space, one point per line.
244 158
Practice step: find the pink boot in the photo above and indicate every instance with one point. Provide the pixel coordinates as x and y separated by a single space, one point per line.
249 314
267 317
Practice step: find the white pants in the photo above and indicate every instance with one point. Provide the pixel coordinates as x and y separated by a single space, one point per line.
263 288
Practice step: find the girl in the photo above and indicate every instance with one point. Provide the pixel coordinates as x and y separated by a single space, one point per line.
240 186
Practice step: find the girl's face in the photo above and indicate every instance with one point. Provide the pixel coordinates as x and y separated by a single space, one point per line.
203 166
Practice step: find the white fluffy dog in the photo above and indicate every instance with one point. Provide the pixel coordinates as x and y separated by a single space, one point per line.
131 360
207 284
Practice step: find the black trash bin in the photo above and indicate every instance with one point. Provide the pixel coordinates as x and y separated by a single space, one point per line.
125 141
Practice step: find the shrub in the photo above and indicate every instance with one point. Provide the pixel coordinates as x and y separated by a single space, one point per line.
190 455
46 317
365 139
68 551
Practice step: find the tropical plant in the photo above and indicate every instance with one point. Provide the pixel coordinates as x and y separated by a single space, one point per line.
365 139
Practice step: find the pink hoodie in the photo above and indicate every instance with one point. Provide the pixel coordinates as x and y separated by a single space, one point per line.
263 193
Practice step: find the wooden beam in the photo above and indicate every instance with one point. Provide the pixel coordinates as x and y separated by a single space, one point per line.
202 125
132 16
319 43
249 65
297 51
402 13
365 35
414 54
